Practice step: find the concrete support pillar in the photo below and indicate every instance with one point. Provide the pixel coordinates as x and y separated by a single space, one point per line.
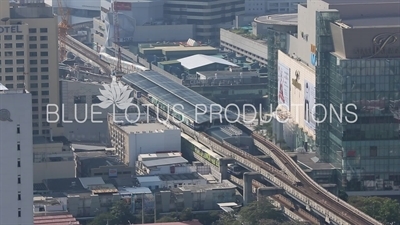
268 191
248 186
223 167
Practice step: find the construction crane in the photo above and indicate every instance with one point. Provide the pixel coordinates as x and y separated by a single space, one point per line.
118 68
63 28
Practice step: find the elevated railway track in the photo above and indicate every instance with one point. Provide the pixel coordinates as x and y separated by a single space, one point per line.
86 51
303 188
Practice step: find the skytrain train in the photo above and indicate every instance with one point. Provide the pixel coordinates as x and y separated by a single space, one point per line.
127 67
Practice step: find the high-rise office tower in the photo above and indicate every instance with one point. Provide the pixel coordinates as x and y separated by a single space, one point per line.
29 57
16 164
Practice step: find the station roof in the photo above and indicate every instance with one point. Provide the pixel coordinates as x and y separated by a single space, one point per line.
172 93
199 60
164 162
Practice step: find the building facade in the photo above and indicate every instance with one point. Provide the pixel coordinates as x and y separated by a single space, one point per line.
79 11
208 16
16 169
30 58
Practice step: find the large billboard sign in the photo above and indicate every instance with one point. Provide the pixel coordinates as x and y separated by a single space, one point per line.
283 85
309 103
122 6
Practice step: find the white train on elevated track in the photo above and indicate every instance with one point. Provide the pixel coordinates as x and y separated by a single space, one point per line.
127 67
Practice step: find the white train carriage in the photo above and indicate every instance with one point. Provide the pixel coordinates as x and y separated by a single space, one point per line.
127 67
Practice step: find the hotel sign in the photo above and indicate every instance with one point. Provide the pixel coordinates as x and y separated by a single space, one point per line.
10 29
383 45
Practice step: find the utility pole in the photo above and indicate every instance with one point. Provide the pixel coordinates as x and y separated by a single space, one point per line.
155 208
142 208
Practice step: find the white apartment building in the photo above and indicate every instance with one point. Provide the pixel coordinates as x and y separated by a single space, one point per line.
29 57
16 176
131 140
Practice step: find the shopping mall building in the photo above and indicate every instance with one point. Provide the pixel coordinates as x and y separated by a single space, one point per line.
345 56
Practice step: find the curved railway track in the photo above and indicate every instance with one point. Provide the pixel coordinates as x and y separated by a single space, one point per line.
89 53
308 187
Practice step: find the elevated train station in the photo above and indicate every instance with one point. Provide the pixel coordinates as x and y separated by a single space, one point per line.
197 111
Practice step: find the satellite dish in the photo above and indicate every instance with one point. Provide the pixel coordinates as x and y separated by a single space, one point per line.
5 19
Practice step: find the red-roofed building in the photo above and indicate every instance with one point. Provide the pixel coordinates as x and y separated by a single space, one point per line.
66 219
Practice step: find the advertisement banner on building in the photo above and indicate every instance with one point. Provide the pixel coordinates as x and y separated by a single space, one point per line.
112 173
122 6
309 102
283 85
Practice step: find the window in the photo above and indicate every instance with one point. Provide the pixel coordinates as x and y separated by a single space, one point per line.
43 30
33 62
34 93
34 109
45 85
19 163
34 101
32 30
7 37
21 77
33 46
45 124
32 38
9 86
34 77
32 54
8 45
45 92
20 61
33 85
20 53
9 78
20 69
45 77
35 125
43 38
19 179
45 100
19 37
19 45
35 117
44 69
20 85
44 54
373 151
19 212
18 129
35 132
8 54
9 70
80 99
33 70
19 146
44 61
43 45
19 196
8 61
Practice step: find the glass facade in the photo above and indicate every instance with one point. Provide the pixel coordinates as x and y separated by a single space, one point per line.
367 150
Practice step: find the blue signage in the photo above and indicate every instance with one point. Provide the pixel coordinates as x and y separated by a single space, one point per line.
313 59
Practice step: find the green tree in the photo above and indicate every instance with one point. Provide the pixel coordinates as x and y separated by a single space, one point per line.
208 218
260 210
166 219
385 210
186 215
343 195
120 213
104 218
227 219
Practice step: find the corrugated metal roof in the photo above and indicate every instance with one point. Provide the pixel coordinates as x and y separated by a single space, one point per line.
148 179
196 61
87 181
163 162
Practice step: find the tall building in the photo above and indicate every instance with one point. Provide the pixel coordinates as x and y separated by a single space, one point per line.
29 55
208 15
79 11
347 54
16 164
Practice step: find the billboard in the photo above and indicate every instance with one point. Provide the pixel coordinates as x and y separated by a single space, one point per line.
112 173
309 102
283 85
122 6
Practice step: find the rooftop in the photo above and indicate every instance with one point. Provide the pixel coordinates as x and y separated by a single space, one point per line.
199 60
226 74
31 11
226 131
46 140
203 187
278 19
134 190
66 219
81 147
90 181
153 156
351 2
372 22
164 162
310 160
144 128
172 93
167 48
145 179
65 185
177 176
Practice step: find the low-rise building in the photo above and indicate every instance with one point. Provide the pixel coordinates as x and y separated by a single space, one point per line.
200 62
131 140
167 181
